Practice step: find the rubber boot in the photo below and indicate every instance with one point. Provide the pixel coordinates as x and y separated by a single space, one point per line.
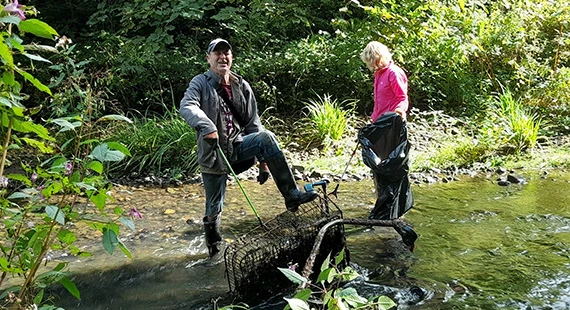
286 183
213 236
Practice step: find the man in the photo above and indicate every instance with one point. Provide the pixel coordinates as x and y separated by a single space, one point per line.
221 107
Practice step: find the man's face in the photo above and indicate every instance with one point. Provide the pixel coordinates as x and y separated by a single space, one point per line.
220 60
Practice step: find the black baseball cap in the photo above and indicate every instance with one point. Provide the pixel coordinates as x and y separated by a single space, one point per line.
216 43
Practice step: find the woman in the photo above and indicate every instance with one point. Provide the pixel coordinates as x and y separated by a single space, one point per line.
390 81
385 143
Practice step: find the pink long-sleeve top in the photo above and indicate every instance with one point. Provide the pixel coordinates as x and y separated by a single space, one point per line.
390 90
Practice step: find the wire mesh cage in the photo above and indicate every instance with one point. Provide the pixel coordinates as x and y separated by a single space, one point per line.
252 261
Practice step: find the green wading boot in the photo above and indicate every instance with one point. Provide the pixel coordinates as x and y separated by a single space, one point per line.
286 183
213 236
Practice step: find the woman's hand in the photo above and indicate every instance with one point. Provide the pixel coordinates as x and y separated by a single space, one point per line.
401 112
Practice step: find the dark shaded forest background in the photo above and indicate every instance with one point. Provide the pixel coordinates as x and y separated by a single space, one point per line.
141 54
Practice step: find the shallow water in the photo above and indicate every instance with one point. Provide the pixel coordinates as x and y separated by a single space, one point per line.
481 246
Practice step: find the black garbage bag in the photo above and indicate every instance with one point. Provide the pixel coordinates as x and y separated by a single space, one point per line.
385 149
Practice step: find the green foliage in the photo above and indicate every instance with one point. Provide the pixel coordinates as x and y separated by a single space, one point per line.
510 126
39 206
327 119
329 294
158 143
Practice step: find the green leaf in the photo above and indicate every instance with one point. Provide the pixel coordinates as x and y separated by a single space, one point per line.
349 274
350 291
127 222
110 240
66 236
6 53
354 300
71 287
99 199
36 57
19 195
30 127
10 19
85 186
95 166
293 276
37 28
124 248
52 188
119 147
60 266
338 259
20 177
55 214
89 141
327 275
115 117
5 102
385 303
9 79
304 294
102 153
39 85
65 124
40 145
297 304
326 263
16 43
39 297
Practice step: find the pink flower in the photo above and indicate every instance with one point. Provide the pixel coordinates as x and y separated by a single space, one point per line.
68 168
39 189
135 213
14 8
34 177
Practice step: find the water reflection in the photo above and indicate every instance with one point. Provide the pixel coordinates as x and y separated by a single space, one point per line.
481 246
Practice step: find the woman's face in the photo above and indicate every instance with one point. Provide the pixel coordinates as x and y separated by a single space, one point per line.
220 60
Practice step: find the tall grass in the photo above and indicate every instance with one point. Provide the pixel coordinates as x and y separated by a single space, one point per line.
512 126
327 118
159 144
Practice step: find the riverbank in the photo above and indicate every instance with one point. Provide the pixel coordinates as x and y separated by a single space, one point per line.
435 138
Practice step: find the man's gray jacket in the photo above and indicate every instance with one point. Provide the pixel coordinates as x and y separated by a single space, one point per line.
200 107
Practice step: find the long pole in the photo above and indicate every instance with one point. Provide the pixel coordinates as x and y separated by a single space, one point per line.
239 184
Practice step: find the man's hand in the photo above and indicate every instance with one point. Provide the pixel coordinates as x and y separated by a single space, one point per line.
211 138
263 173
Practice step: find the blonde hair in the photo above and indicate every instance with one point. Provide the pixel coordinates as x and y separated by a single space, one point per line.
376 55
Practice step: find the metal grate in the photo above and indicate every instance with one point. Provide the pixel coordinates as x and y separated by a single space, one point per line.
253 259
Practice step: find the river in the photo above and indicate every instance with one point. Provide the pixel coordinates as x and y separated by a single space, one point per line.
480 246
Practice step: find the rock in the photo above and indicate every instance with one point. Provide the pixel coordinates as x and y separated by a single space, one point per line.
516 179
504 183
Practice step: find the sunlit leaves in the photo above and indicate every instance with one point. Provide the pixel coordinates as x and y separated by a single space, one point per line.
36 216
37 28
6 54
330 291
95 166
293 276
66 236
39 85
297 304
